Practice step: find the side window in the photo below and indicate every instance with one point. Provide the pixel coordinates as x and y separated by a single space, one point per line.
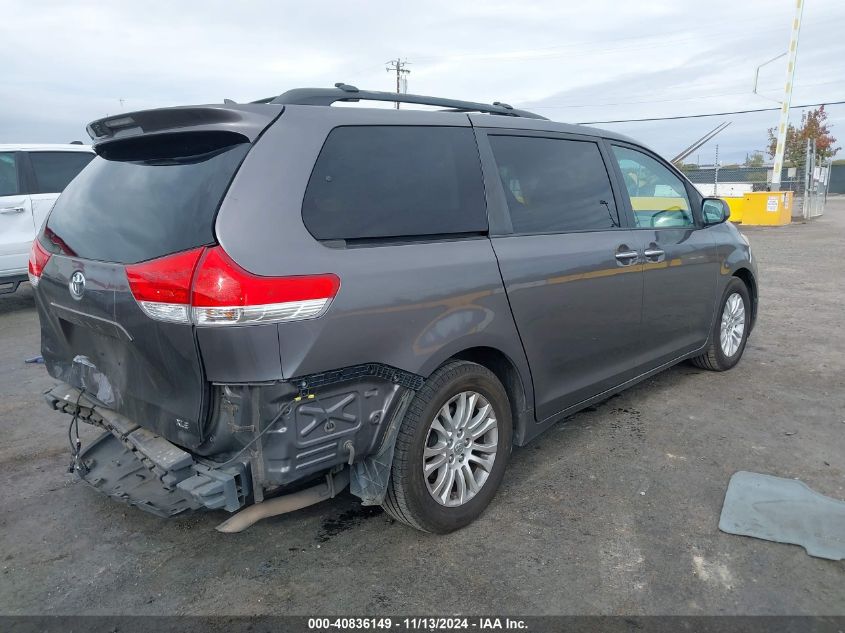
554 185
54 170
8 175
658 197
395 181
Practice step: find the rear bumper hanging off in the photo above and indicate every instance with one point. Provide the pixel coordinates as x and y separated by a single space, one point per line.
143 469
340 426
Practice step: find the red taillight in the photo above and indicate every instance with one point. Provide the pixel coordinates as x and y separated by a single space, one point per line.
165 280
38 258
226 294
221 282
207 287
162 287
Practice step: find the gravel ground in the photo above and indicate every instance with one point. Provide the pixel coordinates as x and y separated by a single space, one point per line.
613 512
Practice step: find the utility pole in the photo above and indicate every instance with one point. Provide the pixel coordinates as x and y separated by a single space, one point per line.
792 56
398 66
716 173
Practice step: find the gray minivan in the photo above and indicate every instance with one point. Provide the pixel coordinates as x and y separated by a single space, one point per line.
264 303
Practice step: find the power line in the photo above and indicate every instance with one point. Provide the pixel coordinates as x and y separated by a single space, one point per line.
552 106
701 116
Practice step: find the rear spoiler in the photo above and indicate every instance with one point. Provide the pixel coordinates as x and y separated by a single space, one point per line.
248 120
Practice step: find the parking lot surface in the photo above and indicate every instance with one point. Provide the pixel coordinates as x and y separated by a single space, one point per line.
613 512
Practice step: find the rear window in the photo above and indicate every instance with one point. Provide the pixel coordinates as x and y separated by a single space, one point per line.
395 181
54 170
143 198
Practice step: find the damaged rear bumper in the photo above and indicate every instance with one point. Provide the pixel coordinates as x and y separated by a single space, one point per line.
264 440
138 467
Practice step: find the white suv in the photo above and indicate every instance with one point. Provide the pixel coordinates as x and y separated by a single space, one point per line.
31 179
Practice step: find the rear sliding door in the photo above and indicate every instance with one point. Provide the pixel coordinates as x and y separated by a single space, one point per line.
568 260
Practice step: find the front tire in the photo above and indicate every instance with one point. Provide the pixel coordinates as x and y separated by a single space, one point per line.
730 331
452 449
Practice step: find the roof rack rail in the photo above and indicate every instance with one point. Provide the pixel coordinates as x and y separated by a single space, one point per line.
345 92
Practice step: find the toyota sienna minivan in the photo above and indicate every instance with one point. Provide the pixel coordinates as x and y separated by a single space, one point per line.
262 304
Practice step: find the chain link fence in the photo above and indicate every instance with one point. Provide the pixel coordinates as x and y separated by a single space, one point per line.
808 180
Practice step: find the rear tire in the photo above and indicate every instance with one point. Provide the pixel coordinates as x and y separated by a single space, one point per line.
730 331
433 438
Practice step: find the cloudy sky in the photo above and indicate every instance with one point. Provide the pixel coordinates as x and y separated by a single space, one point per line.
68 62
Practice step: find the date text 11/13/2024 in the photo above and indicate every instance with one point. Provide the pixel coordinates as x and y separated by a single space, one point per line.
417 623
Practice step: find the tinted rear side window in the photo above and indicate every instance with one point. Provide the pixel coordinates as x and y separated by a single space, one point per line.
143 199
395 181
554 185
54 170
8 175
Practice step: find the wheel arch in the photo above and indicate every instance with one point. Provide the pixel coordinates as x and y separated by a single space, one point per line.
507 372
747 277
517 384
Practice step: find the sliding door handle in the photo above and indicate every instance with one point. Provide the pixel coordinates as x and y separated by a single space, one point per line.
626 258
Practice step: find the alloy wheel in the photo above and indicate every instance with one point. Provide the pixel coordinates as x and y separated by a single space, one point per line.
733 324
460 448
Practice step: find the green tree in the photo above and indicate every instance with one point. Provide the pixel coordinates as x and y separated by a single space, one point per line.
755 159
814 126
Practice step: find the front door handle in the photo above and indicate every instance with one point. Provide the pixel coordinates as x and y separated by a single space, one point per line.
626 258
11 210
654 254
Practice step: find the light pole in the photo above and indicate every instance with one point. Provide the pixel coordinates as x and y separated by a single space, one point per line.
792 57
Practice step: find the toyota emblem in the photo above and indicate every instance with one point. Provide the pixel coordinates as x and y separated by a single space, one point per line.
77 285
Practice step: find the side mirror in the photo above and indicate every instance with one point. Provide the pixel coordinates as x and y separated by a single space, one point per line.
715 211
